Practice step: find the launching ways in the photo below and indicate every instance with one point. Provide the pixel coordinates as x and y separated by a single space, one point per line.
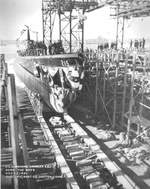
83 153
89 160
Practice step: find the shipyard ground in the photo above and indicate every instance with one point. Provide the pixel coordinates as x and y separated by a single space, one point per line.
109 141
136 170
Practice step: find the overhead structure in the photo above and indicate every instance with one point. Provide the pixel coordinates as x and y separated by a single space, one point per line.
134 8
125 9
70 17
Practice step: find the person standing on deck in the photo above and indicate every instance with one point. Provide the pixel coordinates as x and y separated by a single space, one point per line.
143 43
131 42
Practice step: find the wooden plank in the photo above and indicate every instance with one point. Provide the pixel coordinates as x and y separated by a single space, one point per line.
24 149
112 166
51 141
13 124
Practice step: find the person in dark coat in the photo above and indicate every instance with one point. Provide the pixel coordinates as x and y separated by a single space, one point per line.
140 43
131 42
143 43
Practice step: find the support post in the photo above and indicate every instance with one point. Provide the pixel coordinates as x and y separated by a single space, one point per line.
59 25
96 90
70 32
83 37
117 26
104 85
142 97
122 39
50 15
24 148
82 45
13 123
43 21
115 93
124 91
131 99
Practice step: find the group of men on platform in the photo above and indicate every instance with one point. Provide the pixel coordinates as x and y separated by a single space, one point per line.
137 44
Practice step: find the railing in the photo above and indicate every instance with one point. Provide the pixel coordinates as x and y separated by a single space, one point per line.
32 52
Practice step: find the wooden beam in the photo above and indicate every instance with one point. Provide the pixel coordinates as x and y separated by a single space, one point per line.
115 92
24 149
124 91
13 124
131 99
96 89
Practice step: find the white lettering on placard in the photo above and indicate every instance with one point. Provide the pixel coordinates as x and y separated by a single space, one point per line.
65 63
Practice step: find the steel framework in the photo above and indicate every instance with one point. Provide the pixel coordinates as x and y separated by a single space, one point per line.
125 9
12 124
70 17
117 91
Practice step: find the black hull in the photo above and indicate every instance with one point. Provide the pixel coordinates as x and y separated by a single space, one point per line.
60 60
56 95
33 83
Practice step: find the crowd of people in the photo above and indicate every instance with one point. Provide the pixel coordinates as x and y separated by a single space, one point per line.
137 44
39 48
33 48
105 46
93 53
56 48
